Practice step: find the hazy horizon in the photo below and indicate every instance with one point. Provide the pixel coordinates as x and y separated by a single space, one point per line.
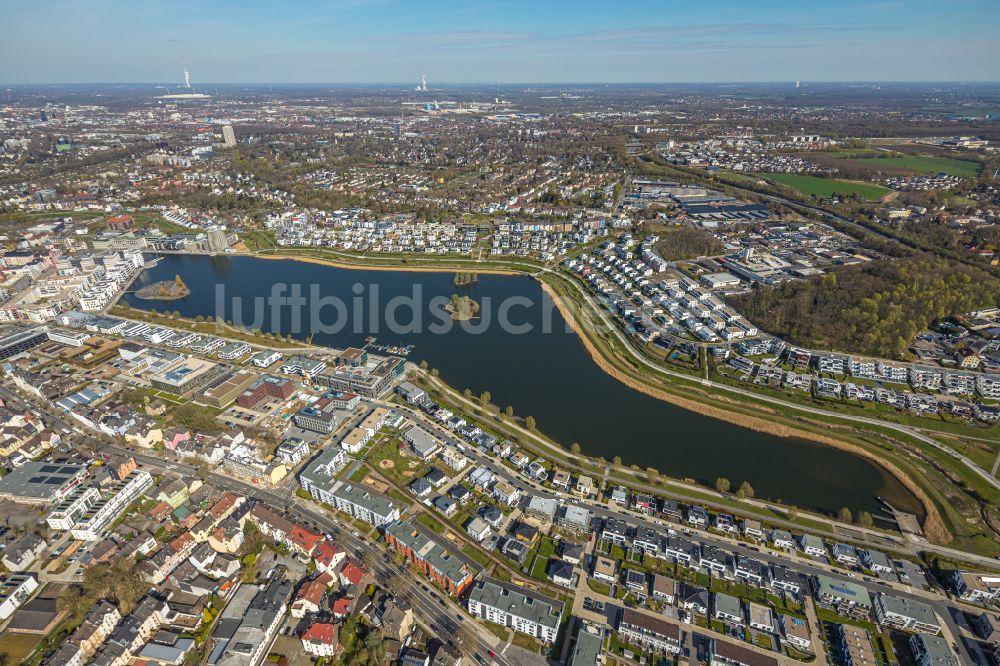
586 41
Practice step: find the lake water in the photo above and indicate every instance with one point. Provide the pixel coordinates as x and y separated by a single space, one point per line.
549 376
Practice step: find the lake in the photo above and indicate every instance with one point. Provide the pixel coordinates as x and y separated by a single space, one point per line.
548 375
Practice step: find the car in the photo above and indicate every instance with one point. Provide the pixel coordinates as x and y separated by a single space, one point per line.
492 654
459 616
479 658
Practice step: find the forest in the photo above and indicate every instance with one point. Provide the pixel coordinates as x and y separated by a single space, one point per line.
874 309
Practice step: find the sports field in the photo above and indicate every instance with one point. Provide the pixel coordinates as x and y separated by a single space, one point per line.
827 187
948 165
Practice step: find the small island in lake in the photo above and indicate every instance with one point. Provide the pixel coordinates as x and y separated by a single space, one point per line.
462 308
167 290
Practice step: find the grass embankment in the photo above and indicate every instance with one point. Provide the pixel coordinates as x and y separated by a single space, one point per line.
405 262
827 187
781 421
203 327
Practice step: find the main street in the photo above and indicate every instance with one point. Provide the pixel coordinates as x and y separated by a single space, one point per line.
440 615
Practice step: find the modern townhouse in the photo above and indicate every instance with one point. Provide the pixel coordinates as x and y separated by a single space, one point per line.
506 493
847 598
681 550
844 553
664 589
865 368
855 645
300 365
831 363
796 632
760 617
724 653
812 545
752 529
649 632
647 540
520 609
95 521
750 570
974 587
783 539
876 561
727 608
615 531
931 651
903 613
713 559
786 580
697 516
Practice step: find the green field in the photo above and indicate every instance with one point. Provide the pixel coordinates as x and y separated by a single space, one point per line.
948 165
827 187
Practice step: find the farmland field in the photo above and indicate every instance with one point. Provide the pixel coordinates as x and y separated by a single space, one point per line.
950 166
826 187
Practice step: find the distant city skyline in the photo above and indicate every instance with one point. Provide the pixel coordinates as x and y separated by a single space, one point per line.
392 41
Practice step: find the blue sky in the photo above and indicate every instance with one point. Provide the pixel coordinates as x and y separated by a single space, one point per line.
72 41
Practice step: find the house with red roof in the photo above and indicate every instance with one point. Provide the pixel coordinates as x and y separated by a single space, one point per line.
341 608
303 540
353 573
308 599
329 557
321 640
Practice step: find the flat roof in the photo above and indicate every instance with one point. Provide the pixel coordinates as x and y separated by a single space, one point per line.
37 480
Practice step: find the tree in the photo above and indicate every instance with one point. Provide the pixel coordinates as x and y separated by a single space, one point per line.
652 474
484 399
574 448
434 372
745 491
722 484
467 393
508 411
617 461
845 515
865 519
423 365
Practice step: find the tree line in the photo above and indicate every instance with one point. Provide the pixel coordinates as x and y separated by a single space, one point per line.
876 308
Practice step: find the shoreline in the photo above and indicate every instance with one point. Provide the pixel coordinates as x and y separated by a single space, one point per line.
334 263
933 524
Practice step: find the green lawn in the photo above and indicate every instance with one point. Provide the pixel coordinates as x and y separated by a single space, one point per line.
948 165
827 187
599 587
475 554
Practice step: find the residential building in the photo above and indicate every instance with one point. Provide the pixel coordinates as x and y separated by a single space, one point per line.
649 632
520 609
903 613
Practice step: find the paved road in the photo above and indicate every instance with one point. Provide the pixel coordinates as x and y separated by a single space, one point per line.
439 613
